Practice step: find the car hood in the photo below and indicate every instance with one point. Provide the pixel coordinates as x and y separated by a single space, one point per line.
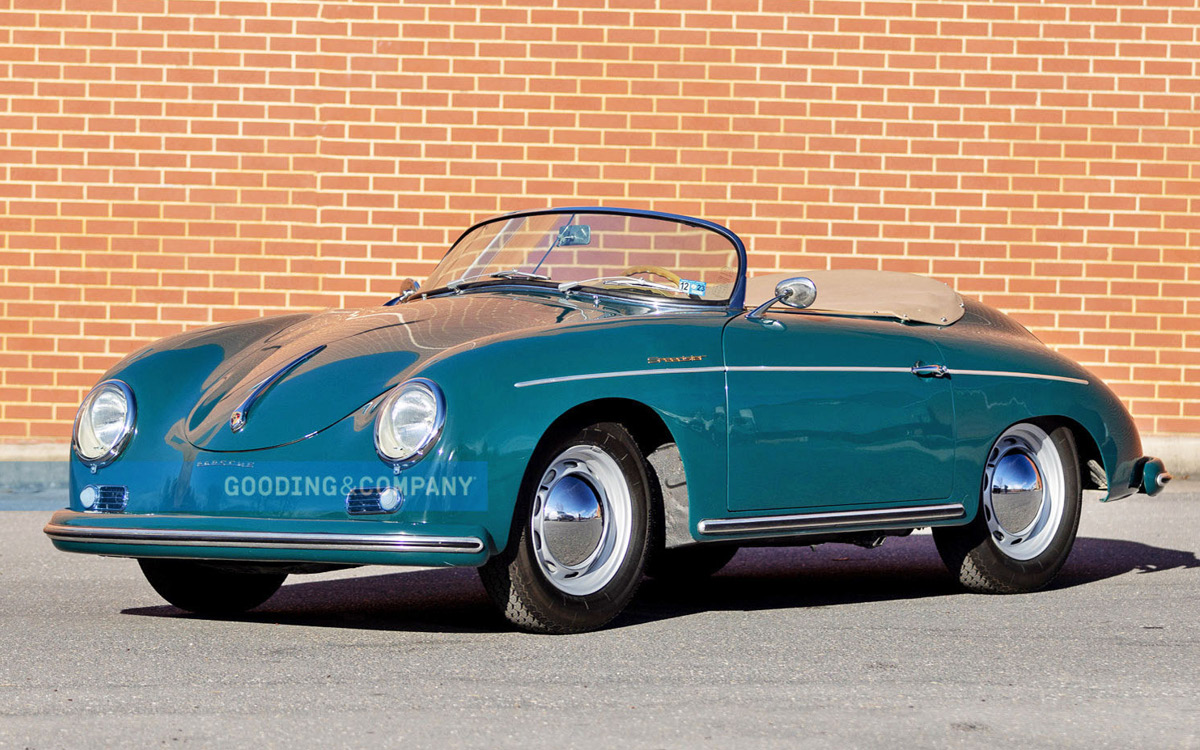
313 373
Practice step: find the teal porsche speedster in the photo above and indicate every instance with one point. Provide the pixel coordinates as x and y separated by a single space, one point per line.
580 397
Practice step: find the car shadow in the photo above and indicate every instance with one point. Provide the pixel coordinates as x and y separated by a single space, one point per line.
759 578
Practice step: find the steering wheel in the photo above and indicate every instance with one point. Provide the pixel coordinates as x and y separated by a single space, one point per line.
656 270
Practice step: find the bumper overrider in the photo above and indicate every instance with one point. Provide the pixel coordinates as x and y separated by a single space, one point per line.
265 540
1151 475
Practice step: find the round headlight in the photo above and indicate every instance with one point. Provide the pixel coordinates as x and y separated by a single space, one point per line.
409 421
104 422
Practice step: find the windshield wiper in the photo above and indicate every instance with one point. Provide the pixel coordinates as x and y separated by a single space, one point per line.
567 286
513 274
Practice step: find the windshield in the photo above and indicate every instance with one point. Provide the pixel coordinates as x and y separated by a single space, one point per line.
628 254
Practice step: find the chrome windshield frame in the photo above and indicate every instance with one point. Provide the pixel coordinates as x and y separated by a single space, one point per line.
737 296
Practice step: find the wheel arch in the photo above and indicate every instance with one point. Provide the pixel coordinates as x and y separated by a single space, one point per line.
643 422
647 427
1086 447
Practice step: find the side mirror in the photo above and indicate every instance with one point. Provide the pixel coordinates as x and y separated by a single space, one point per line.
408 288
798 292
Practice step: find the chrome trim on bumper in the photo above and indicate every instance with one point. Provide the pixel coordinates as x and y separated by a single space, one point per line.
801 523
282 540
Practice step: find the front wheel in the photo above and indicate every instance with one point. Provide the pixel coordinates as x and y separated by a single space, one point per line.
210 588
1028 514
578 556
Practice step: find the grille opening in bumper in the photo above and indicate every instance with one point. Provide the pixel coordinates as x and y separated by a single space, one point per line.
105 498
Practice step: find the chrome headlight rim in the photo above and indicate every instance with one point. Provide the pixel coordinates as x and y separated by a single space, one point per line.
430 439
127 426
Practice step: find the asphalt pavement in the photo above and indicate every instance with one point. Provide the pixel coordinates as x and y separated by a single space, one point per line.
826 647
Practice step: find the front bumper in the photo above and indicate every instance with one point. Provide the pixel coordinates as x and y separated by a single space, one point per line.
265 540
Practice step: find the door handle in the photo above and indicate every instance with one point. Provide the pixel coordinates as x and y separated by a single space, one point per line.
930 371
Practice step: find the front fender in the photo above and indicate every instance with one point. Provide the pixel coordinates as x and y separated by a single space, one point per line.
501 398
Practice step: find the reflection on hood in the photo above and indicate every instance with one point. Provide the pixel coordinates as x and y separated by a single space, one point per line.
365 353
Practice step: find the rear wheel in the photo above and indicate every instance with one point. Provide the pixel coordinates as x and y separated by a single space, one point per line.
1028 514
580 551
210 588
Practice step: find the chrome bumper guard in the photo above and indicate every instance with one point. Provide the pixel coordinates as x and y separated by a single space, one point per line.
1151 475
280 540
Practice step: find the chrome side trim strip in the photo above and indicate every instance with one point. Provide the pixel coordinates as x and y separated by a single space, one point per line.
1029 375
619 374
282 540
780 368
801 523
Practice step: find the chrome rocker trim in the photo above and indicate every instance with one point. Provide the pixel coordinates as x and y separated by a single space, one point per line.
850 520
265 539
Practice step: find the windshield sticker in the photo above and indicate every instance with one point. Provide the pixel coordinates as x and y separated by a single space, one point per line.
692 287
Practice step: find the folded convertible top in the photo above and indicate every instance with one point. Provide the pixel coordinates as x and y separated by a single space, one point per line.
906 296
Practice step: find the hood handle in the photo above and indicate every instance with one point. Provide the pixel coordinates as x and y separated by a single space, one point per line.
241 415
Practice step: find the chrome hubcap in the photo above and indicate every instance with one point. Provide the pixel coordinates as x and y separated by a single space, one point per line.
1017 493
582 520
1024 492
572 521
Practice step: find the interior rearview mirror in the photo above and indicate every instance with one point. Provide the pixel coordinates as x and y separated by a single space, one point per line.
799 292
574 234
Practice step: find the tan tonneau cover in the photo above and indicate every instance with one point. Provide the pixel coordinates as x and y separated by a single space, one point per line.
853 292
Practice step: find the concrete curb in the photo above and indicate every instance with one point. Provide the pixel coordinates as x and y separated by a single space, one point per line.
42 466
32 476
35 452
33 467
1181 453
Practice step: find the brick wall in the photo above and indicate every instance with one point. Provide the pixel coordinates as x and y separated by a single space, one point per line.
166 164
